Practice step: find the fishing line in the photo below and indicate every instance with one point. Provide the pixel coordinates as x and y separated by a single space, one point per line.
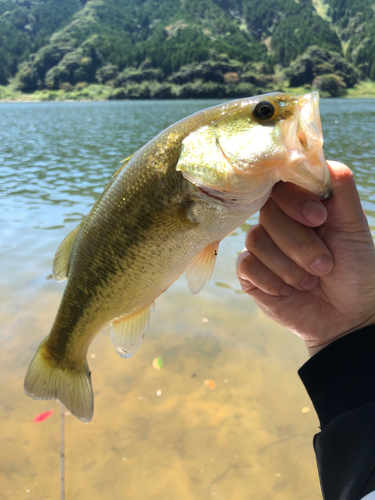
62 453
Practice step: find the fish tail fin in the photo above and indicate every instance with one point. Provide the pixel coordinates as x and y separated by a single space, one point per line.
46 378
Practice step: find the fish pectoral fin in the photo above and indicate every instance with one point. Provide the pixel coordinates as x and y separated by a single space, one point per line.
199 270
60 265
179 217
127 333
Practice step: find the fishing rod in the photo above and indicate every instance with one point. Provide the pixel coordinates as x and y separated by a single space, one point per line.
62 452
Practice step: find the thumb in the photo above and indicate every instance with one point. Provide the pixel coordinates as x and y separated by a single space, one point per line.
344 207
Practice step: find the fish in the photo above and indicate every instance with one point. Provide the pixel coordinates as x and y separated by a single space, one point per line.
164 213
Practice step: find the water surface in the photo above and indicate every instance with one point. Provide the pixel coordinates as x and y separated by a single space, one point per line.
247 438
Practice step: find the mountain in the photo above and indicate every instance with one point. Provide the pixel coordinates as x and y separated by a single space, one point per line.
186 48
354 21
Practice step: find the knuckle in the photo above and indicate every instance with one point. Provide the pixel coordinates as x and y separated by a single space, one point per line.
242 262
252 265
268 210
272 286
304 250
255 237
247 266
246 285
295 278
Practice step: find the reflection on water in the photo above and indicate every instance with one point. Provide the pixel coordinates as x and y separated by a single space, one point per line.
156 433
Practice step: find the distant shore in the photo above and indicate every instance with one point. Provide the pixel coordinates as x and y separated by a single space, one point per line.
95 92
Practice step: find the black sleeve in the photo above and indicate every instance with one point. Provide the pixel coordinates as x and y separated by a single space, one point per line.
340 380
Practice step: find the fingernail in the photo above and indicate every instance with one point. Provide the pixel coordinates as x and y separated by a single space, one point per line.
323 265
314 212
310 282
286 290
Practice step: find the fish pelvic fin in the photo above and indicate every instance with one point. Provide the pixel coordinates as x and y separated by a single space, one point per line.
200 269
46 378
127 333
60 267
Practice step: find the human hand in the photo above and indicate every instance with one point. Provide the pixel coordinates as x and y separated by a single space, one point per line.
310 265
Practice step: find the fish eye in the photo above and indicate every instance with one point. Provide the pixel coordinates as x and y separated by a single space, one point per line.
263 111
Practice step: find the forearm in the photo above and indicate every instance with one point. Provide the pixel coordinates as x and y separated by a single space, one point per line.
340 380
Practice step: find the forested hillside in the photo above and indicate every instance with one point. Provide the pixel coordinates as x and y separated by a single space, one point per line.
186 48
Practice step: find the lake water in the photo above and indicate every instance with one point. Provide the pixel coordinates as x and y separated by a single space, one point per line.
156 434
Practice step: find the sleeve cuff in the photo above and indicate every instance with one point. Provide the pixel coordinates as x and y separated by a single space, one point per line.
341 376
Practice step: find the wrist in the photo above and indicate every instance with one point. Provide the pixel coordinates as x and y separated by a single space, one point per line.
313 347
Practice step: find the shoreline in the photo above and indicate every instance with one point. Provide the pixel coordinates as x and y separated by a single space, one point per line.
96 92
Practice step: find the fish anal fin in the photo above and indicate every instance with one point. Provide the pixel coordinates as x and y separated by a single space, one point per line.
127 333
199 270
60 265
47 378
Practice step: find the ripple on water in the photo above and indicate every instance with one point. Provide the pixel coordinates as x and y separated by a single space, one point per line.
191 442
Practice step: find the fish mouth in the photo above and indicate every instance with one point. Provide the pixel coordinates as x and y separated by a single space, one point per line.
322 188
328 193
303 140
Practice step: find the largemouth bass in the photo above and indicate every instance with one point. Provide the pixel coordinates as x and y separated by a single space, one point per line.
164 213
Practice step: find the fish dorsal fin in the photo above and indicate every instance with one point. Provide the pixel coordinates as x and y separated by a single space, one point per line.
123 164
200 268
60 265
127 333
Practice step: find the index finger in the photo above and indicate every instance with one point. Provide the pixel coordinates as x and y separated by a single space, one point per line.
299 204
305 207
